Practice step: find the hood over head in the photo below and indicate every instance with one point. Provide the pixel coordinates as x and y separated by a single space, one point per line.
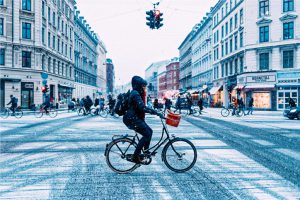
138 83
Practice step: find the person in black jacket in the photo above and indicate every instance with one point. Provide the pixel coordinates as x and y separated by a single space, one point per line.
168 104
292 103
134 118
14 103
88 103
200 104
250 106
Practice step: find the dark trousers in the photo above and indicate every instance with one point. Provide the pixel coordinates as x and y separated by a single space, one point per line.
13 108
142 128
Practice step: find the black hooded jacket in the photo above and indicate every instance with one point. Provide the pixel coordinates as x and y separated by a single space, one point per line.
137 108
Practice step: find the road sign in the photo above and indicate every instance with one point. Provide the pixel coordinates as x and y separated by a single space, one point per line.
44 75
44 82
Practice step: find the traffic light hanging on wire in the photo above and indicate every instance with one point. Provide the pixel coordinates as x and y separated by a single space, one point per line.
150 19
158 19
45 89
154 17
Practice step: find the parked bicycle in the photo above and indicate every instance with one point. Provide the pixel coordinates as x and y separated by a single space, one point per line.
82 111
178 154
5 112
38 113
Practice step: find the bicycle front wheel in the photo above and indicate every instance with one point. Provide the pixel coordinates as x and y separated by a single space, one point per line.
52 112
118 153
93 111
4 113
225 112
18 113
80 112
103 113
196 112
179 155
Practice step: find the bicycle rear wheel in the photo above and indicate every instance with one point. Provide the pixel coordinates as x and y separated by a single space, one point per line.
38 113
52 112
196 112
18 113
117 154
103 113
4 112
80 112
93 111
179 155
225 112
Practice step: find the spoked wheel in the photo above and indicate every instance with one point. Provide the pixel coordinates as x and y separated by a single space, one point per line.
184 112
239 113
179 155
52 112
18 113
93 111
103 113
38 113
118 154
225 112
80 112
196 112
4 112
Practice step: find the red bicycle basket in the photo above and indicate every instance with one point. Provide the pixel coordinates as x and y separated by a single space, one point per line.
172 119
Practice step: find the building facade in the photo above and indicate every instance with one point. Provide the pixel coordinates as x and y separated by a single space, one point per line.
172 75
185 63
31 36
255 42
101 70
110 76
202 55
86 55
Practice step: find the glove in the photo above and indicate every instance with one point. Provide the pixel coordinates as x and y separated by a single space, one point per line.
160 115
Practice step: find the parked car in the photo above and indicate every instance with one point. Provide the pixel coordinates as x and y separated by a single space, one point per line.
292 113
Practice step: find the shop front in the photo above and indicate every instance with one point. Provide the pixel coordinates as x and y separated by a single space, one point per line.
64 93
216 95
27 94
259 86
288 86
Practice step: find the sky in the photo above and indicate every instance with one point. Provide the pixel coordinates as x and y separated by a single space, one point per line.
131 44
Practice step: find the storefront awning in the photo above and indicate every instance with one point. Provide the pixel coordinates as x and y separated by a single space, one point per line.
239 87
67 86
262 86
214 90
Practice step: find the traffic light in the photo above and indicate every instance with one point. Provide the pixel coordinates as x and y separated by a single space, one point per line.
158 19
150 19
45 89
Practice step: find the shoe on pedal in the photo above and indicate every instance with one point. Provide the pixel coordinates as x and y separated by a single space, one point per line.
136 159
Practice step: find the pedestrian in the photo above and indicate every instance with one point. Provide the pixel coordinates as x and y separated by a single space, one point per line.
234 105
134 118
250 106
178 104
168 104
292 103
14 104
241 105
111 104
190 104
155 104
200 104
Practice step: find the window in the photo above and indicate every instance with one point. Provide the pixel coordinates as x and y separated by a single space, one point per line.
2 56
241 16
70 53
62 26
43 35
26 30
235 20
230 45
264 34
264 61
62 47
26 5
288 30
222 50
49 14
58 44
53 42
66 29
43 8
288 59
226 28
66 50
230 26
222 31
49 39
1 2
1 26
264 8
230 5
222 13
231 67
226 8
241 39
226 48
235 42
226 69
236 66
26 59
222 68
53 18
58 22
241 64
288 5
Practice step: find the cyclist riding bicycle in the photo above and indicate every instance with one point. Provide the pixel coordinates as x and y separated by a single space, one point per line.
14 103
135 116
46 104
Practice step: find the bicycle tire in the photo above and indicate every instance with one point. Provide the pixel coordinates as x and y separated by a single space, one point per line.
80 112
4 113
196 112
170 145
18 113
108 152
52 113
93 111
103 113
38 113
225 112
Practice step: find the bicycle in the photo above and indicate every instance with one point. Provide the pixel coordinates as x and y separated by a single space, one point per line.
82 111
105 111
5 112
175 151
225 112
52 112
